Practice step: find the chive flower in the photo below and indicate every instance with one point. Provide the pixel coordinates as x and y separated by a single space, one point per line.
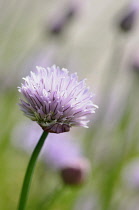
56 100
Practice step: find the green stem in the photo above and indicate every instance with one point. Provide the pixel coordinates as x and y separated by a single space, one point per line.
29 172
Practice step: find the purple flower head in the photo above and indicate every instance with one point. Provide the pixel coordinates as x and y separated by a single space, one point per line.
56 100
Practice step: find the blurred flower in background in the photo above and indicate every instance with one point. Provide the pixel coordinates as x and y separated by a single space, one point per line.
60 21
61 152
129 17
134 63
65 155
76 172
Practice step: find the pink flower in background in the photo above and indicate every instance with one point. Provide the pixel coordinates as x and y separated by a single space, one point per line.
60 152
56 100
65 156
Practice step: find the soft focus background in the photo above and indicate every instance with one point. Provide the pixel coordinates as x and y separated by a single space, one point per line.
100 41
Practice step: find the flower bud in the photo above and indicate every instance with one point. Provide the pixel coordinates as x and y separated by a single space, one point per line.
57 27
76 172
127 21
59 22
